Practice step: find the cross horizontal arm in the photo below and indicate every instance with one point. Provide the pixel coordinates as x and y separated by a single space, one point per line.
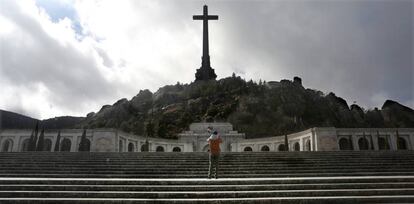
202 17
198 17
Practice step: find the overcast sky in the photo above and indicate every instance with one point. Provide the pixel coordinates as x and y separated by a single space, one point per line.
71 57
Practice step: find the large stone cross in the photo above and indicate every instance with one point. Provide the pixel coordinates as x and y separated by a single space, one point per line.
205 72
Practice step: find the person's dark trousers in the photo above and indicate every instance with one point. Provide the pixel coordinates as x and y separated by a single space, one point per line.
213 166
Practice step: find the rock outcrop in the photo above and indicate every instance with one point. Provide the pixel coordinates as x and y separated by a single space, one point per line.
257 109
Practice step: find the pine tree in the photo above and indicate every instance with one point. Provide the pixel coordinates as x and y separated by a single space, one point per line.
84 144
286 143
30 140
57 144
40 143
33 138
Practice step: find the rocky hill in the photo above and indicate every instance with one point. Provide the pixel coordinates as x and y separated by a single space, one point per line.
257 109
10 120
15 121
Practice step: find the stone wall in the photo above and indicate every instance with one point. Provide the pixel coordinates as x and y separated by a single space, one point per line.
194 140
300 139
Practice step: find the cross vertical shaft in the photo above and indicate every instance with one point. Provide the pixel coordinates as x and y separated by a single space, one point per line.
205 72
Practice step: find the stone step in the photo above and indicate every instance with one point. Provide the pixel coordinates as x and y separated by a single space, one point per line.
325 154
212 187
203 175
262 200
256 160
204 156
203 181
229 162
207 194
199 165
241 158
202 164
96 155
250 153
196 154
192 171
222 162
336 161
205 167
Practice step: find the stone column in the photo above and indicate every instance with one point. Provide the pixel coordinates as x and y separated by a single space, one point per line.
93 141
375 141
355 142
412 140
301 144
139 143
197 144
393 141
17 147
54 142
16 143
75 145
409 141
311 144
312 140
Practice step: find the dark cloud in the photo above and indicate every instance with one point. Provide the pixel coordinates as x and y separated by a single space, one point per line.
358 49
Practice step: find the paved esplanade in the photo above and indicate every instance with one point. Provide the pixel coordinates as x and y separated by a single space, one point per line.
205 72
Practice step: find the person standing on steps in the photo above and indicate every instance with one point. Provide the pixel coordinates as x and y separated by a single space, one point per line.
214 143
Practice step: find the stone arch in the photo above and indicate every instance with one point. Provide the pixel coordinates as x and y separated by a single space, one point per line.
247 149
401 144
363 144
131 147
7 146
47 145
345 144
66 145
176 149
159 149
281 148
383 144
296 146
307 146
25 145
265 148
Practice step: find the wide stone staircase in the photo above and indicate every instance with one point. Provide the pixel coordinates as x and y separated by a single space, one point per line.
248 177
